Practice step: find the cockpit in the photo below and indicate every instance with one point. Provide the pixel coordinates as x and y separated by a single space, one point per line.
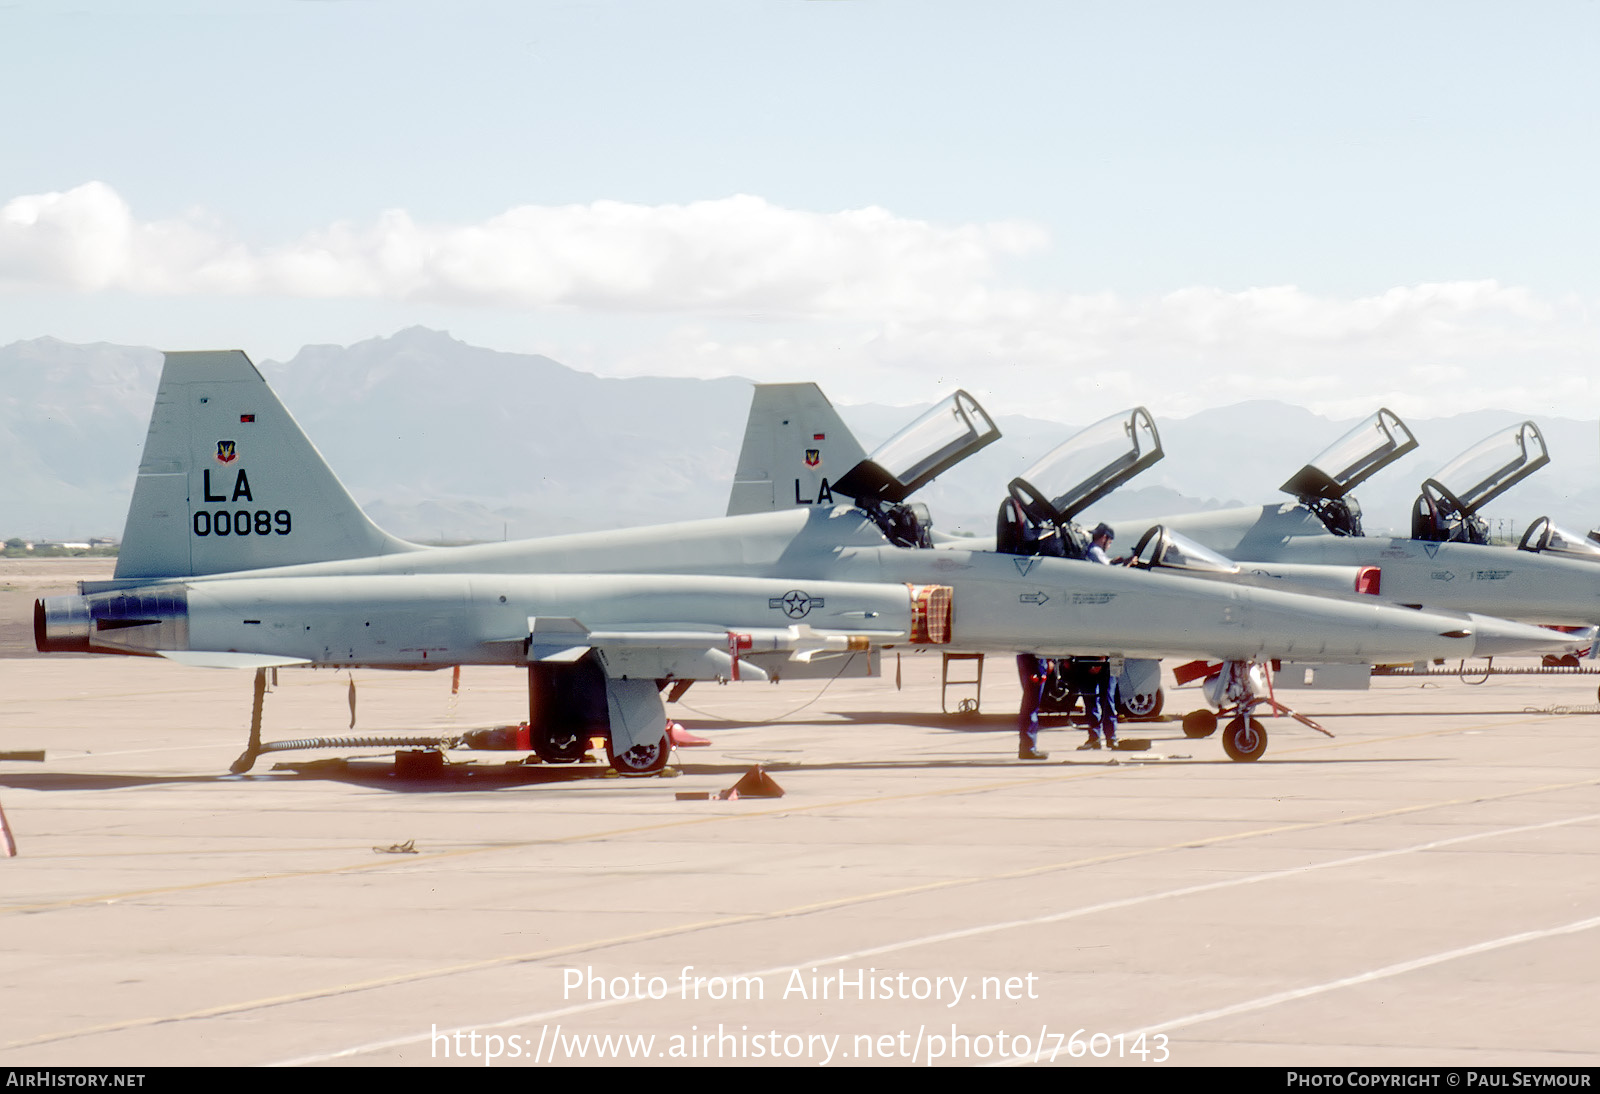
1160 548
1451 503
938 440
1546 537
1036 517
1323 486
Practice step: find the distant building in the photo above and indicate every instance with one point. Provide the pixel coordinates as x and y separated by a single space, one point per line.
17 544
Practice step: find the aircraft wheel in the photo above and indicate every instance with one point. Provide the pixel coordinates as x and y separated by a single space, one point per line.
560 746
1244 739
640 759
1199 723
1142 705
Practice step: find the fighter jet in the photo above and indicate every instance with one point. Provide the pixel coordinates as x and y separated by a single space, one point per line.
1037 515
242 549
788 419
1447 562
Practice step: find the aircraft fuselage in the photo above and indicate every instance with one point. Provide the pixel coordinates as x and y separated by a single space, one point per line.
1467 577
473 603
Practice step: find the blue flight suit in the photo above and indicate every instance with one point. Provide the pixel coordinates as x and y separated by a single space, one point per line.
1032 672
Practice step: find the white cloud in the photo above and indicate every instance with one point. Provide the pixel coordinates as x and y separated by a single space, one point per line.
1424 350
876 306
738 255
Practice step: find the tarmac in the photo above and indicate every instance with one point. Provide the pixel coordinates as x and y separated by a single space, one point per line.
1420 890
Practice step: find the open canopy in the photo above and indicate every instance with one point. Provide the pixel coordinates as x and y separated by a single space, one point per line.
1354 458
1448 509
1088 466
938 440
1492 466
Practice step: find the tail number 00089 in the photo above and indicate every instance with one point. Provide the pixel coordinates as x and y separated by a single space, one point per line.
241 522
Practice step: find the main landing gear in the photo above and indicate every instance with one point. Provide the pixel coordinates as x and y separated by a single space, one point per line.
639 759
570 702
568 706
557 745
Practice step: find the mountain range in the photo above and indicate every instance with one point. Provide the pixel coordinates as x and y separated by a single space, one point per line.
443 441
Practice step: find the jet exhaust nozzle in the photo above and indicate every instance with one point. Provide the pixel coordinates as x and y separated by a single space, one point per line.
140 621
61 624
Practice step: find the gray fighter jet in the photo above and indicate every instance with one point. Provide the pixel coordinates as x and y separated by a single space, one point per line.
1447 562
1037 516
243 549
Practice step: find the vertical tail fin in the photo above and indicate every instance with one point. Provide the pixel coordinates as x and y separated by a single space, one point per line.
229 481
795 444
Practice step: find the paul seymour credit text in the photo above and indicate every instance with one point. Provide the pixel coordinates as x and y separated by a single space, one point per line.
1463 1078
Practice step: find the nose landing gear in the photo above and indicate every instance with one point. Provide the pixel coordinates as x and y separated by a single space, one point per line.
1239 688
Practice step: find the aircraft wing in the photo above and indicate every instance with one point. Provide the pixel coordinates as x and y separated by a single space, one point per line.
695 652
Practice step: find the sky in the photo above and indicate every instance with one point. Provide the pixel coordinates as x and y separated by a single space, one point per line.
1065 207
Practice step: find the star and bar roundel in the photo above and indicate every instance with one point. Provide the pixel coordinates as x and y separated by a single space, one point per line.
795 603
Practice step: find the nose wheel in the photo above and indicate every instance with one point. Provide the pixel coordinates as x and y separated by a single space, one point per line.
1244 739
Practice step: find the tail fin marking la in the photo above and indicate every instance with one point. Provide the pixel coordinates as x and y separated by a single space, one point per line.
795 445
229 481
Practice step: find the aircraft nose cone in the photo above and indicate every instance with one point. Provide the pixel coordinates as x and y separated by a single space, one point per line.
1500 637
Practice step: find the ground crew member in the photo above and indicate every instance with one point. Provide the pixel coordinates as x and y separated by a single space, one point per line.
1092 675
1032 671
